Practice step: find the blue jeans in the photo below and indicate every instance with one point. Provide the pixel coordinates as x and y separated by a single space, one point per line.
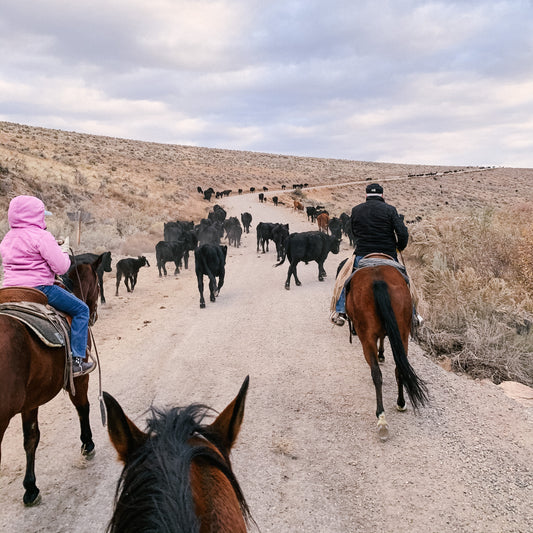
340 306
66 302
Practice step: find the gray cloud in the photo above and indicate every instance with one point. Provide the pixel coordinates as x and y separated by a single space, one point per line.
407 81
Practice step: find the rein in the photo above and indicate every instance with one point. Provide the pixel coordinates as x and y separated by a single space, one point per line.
92 320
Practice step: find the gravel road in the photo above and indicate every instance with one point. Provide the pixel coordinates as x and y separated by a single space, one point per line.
308 457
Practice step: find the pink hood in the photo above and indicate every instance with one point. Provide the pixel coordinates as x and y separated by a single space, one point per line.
30 254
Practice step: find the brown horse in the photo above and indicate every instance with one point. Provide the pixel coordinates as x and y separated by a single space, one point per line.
378 304
177 477
32 373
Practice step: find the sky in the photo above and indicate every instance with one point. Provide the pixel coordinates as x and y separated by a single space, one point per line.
398 81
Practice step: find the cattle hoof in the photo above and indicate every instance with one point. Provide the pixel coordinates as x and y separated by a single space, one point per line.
321 279
202 306
213 299
298 283
288 287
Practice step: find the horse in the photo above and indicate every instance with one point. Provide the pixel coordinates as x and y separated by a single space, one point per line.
32 373
378 304
177 476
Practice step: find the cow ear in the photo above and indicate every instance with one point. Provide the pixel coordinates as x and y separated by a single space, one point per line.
228 423
125 436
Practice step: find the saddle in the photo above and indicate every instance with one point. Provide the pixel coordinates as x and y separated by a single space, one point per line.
30 306
377 259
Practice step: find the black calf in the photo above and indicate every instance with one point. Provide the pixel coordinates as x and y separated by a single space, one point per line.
129 268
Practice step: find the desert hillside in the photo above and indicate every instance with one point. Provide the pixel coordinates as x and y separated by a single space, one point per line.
128 187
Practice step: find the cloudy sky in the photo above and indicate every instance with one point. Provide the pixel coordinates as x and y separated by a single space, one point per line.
406 81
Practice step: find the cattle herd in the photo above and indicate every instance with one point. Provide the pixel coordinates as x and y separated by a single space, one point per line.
204 239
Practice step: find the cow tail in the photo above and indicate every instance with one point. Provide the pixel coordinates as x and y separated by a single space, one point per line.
284 255
416 388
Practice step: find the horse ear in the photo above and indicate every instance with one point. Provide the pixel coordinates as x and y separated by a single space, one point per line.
228 423
125 436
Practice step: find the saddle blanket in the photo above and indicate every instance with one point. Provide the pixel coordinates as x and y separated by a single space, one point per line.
43 320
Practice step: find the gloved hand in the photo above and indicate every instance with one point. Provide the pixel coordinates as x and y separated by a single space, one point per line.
64 244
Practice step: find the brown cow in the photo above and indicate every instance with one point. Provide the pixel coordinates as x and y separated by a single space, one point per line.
323 222
298 205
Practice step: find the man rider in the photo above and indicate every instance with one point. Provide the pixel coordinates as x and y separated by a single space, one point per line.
377 228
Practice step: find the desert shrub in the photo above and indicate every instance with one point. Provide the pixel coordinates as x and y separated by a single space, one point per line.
473 276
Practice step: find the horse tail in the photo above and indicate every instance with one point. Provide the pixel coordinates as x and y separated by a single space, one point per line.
416 388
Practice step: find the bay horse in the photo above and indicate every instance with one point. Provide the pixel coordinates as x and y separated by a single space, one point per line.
177 476
378 304
32 373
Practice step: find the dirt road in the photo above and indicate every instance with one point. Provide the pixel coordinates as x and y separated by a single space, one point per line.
308 457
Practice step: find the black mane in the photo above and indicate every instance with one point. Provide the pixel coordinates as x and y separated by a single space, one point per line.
154 491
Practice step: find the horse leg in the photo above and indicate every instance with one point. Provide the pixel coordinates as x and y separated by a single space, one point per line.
369 349
381 352
81 403
400 402
30 429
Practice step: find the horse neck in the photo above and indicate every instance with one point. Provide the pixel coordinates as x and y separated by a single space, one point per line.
215 500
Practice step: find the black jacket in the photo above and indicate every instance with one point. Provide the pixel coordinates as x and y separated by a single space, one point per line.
378 228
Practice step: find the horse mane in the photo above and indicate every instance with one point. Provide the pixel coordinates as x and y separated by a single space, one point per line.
154 490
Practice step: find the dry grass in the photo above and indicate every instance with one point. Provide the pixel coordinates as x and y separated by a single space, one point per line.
471 254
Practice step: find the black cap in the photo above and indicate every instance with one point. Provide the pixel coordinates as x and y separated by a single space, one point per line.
374 188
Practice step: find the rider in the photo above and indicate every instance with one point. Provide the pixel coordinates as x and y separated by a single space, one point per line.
31 257
377 228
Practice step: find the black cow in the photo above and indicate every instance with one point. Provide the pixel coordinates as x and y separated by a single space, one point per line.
309 246
169 251
246 219
209 232
275 200
210 260
104 266
264 234
181 231
233 231
311 213
261 197
129 267
280 234
335 227
218 214
208 193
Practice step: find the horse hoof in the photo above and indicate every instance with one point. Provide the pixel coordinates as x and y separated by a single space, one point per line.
35 501
383 428
88 454
400 408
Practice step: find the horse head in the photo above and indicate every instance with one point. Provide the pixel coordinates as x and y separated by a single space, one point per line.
179 468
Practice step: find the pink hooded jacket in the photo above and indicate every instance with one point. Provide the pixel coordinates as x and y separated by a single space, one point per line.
30 254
